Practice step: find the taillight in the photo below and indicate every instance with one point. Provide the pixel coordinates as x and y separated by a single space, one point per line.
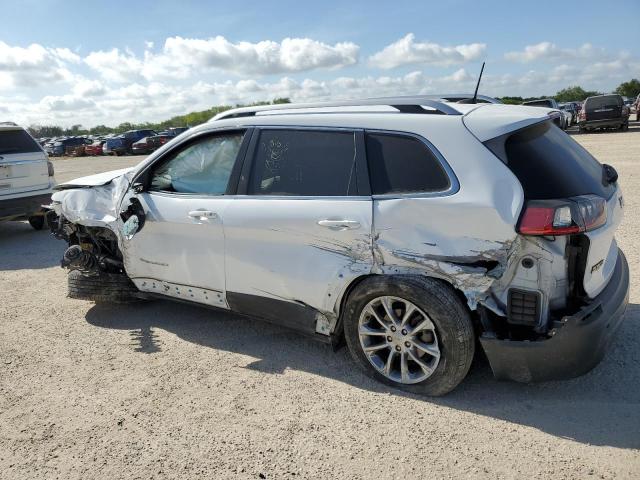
582 115
563 217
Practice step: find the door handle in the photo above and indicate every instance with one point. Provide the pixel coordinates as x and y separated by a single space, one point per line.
339 224
202 214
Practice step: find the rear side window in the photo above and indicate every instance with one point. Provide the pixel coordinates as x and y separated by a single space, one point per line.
595 103
550 164
17 141
304 163
403 164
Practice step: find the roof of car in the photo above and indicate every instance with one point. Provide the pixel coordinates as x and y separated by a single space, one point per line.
484 120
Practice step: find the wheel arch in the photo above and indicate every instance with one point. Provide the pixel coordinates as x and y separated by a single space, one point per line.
337 335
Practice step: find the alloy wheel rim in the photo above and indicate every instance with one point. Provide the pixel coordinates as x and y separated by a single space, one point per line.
399 339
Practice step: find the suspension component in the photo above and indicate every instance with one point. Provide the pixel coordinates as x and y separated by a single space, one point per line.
75 258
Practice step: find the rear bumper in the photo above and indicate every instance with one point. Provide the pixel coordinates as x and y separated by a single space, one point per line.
23 206
577 344
609 122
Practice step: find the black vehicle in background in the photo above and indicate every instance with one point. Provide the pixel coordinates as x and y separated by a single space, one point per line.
604 111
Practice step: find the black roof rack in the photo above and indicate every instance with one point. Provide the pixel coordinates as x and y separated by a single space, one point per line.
405 104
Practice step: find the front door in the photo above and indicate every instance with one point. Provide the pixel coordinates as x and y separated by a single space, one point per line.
179 249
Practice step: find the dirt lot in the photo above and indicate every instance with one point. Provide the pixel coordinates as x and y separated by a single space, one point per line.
163 390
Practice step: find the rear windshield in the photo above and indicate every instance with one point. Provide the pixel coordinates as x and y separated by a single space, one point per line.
550 164
17 141
603 102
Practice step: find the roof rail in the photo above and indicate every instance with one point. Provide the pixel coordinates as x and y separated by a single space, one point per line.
457 97
11 124
406 104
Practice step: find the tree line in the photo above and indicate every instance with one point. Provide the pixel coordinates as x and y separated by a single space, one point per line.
629 89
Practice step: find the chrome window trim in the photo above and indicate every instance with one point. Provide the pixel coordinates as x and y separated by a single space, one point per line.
454 184
251 197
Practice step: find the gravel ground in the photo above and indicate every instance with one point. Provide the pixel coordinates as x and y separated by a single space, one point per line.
164 390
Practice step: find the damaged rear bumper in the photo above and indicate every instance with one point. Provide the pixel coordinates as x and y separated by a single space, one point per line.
578 341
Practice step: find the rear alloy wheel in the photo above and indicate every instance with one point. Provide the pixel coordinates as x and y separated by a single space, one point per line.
411 332
399 339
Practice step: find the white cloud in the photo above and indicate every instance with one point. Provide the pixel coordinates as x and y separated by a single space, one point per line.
407 51
56 86
114 65
266 57
34 65
182 56
547 51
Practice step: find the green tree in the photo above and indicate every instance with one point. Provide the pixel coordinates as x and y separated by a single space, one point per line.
629 89
512 100
574 93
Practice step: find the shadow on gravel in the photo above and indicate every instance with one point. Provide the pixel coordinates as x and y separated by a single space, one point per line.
600 408
22 247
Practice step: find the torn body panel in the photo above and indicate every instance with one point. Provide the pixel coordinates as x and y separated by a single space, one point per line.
93 205
466 243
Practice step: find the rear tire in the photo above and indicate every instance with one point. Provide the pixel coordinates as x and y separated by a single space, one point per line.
37 222
452 331
102 287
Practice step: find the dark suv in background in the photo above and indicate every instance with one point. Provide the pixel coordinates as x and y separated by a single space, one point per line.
604 111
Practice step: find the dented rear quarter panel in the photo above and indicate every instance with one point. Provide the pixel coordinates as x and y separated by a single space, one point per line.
464 237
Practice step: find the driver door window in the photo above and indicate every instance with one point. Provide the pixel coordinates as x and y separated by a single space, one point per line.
201 168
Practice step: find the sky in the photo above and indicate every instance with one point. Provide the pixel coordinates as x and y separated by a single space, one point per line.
67 62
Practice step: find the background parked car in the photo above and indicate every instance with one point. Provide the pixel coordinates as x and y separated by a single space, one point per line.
95 148
561 120
143 146
60 147
158 140
133 136
571 111
114 146
27 176
604 111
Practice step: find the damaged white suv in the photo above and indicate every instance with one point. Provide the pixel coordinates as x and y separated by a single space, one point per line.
410 227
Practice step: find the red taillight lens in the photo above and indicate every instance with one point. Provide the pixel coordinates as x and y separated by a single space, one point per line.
563 217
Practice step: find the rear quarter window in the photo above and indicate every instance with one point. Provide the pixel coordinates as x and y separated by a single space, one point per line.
550 164
403 164
17 141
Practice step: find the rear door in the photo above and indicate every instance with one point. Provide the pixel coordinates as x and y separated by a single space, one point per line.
179 249
23 163
302 229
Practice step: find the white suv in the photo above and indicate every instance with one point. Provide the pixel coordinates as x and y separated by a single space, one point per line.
26 176
409 227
